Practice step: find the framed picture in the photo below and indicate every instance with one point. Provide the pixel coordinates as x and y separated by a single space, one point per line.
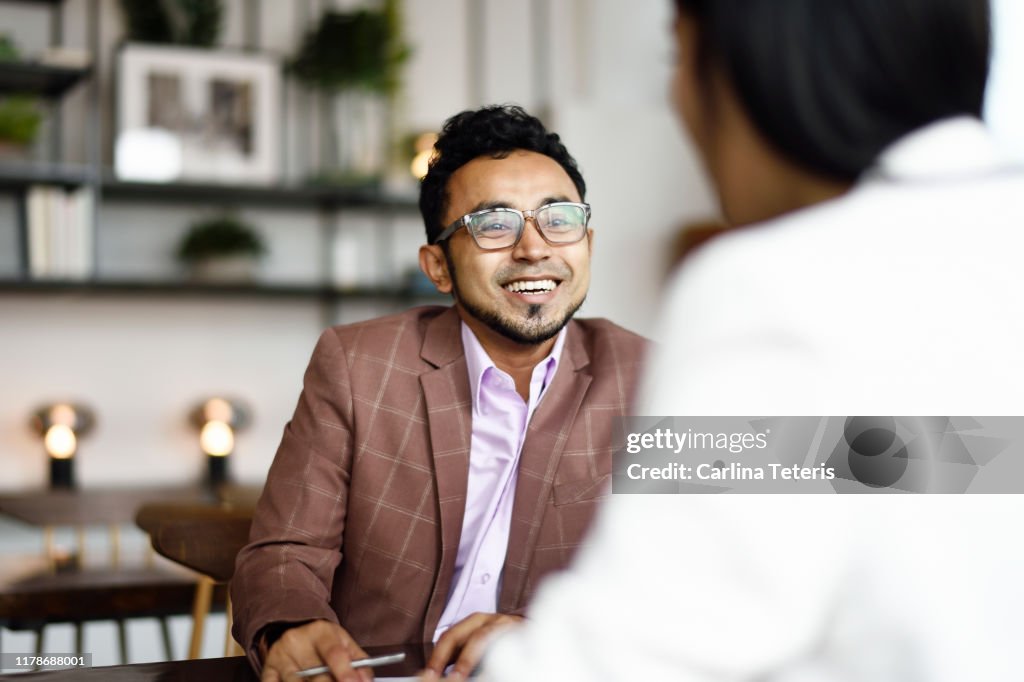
197 115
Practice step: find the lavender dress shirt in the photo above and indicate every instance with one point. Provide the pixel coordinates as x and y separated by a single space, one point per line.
500 418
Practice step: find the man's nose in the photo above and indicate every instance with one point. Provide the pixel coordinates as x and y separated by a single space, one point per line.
531 246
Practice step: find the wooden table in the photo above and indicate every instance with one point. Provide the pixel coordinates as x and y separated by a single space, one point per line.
33 593
234 669
110 506
34 596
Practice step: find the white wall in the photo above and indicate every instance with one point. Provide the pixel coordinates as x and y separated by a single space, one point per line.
143 364
1004 106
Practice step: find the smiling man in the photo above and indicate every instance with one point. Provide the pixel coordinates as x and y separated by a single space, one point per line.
441 461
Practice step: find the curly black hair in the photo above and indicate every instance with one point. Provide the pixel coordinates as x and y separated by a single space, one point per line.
494 131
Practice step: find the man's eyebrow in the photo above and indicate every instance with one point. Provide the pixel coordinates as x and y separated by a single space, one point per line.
487 205
555 199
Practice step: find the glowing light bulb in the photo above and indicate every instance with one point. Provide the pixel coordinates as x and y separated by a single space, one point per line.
63 414
424 150
218 410
60 441
217 439
420 165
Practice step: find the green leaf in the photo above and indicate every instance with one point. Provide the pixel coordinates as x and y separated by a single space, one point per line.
20 118
348 50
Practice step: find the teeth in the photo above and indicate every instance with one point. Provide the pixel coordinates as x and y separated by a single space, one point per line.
539 286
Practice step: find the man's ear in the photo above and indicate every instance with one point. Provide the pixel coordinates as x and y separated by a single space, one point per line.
590 241
435 266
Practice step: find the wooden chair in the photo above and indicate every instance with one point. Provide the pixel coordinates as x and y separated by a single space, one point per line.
205 538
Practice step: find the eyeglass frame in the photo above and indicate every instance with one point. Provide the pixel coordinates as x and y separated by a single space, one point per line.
525 215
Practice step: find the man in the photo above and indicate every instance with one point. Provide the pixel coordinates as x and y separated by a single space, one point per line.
442 460
877 273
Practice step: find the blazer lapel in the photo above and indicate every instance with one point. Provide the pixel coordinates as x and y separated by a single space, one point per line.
545 439
449 414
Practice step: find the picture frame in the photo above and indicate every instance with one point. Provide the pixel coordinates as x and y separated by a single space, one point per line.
187 114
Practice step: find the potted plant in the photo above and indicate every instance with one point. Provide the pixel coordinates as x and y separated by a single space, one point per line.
20 116
177 22
20 119
354 59
221 249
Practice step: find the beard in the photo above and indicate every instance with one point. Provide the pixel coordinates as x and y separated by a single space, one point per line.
527 331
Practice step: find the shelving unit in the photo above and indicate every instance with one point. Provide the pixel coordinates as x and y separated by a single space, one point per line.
183 289
17 178
43 80
284 196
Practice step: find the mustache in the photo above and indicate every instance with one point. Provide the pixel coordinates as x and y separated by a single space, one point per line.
514 272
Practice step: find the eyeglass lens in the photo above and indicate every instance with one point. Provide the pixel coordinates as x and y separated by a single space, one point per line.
560 223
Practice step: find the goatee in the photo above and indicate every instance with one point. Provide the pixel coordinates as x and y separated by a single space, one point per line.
529 331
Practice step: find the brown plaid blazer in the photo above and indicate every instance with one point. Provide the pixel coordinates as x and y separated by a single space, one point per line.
360 518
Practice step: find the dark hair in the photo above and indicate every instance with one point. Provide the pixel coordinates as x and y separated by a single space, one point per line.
493 131
831 83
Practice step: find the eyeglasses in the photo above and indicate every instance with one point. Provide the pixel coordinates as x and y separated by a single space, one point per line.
561 222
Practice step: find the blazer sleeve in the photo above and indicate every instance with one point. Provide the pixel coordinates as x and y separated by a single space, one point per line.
286 571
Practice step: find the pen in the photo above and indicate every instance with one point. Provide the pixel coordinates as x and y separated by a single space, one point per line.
361 663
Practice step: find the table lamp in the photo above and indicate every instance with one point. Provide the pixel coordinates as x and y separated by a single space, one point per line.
61 425
217 420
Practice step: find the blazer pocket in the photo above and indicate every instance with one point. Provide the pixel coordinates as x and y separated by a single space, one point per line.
580 491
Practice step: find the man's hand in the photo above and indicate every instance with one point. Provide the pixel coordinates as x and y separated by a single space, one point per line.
311 645
467 640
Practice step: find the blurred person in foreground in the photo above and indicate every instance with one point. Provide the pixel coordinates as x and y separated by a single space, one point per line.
874 269
441 461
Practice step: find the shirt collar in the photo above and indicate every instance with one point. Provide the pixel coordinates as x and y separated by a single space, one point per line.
951 148
478 361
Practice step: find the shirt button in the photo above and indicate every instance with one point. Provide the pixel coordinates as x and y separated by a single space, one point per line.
485 578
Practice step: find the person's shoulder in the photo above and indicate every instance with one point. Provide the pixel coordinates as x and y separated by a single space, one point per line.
613 354
781 253
408 326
